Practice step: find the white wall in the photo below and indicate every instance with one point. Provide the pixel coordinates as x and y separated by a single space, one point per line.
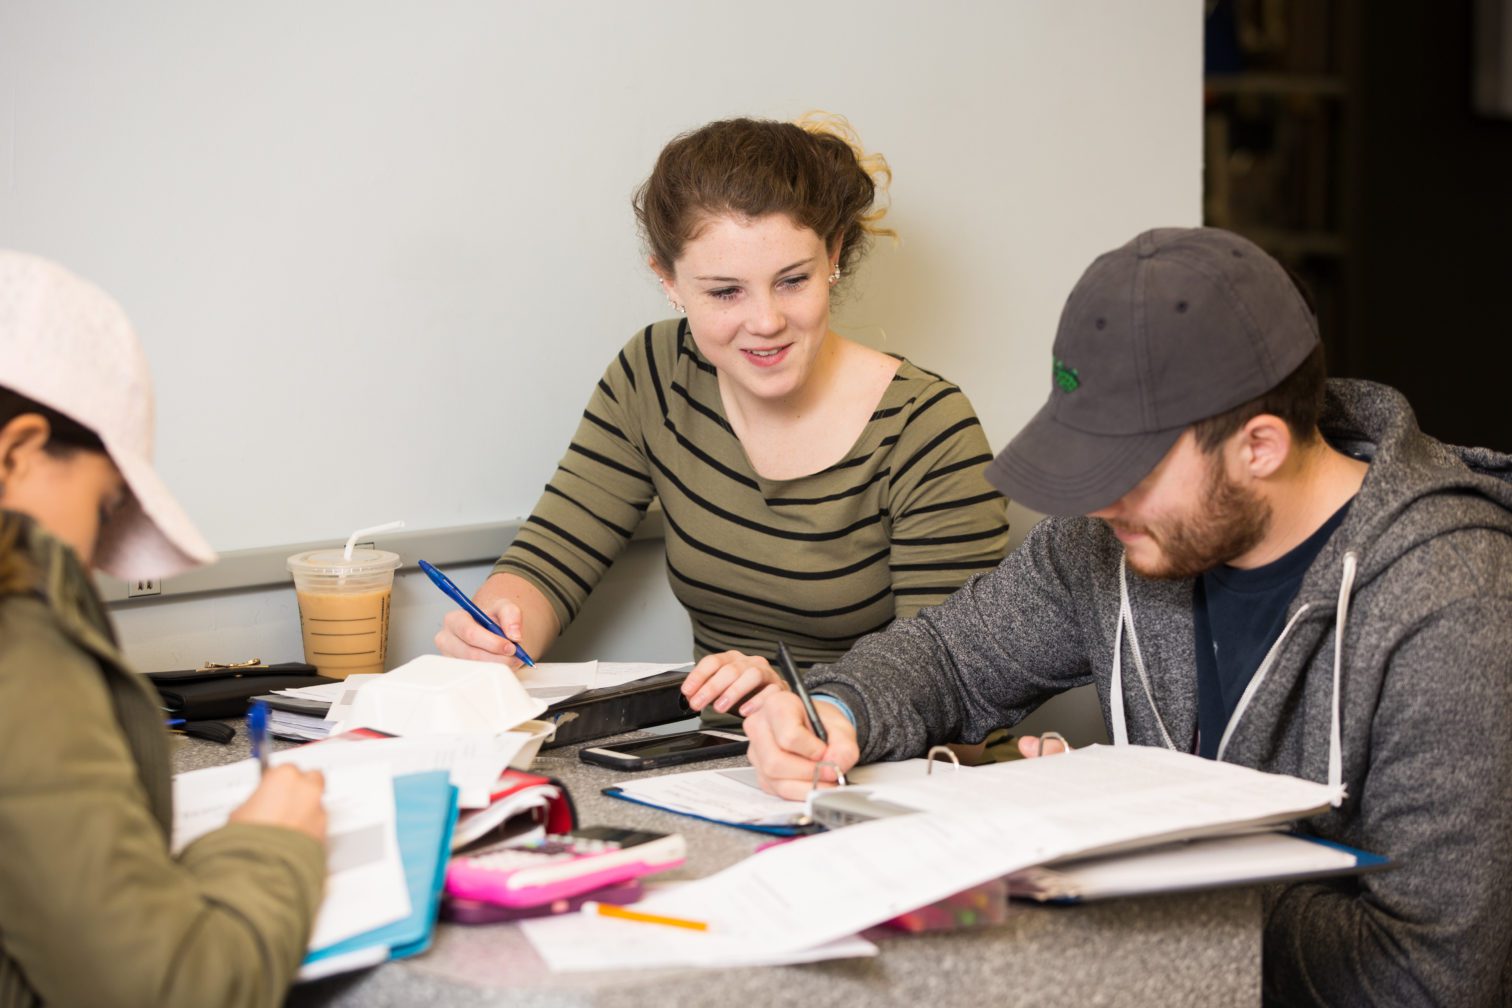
379 252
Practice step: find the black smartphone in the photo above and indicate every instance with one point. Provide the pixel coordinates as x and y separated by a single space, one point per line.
667 750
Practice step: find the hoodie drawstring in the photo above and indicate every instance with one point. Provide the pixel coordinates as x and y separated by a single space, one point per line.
1335 733
1115 702
1335 730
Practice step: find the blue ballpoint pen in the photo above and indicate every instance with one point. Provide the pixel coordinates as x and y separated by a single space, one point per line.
257 734
479 616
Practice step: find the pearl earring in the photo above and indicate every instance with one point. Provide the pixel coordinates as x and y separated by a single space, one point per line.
834 277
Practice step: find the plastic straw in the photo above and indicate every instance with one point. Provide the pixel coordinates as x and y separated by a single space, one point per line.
352 539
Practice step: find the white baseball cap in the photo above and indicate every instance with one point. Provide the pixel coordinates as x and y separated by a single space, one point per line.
68 345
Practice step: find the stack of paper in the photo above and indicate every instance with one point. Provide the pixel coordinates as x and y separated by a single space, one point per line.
425 810
973 827
308 713
1193 864
388 838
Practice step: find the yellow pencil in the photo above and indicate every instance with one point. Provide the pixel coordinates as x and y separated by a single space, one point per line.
612 910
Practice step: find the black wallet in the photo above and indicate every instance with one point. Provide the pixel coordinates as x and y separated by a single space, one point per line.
225 691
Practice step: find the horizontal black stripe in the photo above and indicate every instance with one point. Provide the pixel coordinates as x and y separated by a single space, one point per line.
707 459
778 607
933 443
754 526
605 460
538 576
946 565
721 623
605 426
946 540
951 505
861 460
928 404
570 574
701 408
687 348
883 414
746 563
849 492
942 591
622 532
954 467
563 534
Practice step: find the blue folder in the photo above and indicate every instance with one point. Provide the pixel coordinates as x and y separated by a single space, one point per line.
425 812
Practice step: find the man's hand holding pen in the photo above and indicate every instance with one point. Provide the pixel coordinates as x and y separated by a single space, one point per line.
785 750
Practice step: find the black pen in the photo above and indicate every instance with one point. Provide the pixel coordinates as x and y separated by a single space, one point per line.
789 672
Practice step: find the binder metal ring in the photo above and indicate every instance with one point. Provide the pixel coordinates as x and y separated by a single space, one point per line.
940 750
818 767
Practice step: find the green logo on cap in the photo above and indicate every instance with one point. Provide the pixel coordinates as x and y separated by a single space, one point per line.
1066 378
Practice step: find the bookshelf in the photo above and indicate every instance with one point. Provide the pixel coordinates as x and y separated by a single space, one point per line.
1280 118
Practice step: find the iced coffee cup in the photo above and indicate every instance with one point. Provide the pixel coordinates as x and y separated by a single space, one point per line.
344 608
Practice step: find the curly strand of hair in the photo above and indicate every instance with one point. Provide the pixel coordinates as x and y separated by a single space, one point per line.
822 123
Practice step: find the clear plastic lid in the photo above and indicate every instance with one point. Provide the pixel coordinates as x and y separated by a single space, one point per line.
333 562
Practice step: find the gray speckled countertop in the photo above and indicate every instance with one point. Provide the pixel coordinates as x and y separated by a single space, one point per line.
1194 949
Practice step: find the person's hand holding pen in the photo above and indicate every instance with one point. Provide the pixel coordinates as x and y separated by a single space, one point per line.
797 741
786 752
507 602
287 797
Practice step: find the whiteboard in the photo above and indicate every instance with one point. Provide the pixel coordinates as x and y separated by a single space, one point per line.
379 253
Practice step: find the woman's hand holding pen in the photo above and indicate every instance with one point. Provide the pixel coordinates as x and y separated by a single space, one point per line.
728 678
288 797
785 751
460 635
515 606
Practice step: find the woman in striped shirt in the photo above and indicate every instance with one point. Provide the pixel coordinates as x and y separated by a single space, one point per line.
814 489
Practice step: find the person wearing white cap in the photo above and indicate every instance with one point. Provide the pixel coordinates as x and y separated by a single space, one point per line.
1254 564
94 910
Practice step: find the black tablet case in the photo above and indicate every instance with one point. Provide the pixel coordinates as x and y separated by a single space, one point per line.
599 713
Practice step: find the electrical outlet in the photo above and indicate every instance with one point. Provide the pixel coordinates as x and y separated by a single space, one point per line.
142 587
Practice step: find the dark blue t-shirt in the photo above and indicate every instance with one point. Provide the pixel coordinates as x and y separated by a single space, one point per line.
1237 616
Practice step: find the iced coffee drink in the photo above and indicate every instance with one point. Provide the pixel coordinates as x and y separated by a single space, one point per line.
344 608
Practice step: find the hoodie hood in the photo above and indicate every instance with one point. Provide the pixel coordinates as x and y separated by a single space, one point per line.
1417 488
1416 491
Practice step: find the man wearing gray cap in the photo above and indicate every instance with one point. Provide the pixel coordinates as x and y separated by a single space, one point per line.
1254 564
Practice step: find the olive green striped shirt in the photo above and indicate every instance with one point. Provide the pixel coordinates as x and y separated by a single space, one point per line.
896 525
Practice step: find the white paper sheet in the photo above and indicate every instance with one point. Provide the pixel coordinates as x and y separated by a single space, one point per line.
991 821
734 796
579 942
1192 864
365 885
473 761
435 695
553 681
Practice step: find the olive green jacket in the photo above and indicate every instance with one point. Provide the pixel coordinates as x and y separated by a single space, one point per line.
94 910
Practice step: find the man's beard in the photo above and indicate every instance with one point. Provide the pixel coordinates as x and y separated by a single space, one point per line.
1228 522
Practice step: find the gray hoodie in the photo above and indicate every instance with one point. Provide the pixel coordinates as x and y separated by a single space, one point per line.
1410 717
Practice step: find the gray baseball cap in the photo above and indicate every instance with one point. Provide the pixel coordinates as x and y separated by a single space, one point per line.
1176 326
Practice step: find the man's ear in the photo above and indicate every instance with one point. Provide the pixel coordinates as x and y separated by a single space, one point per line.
21 441
1264 444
